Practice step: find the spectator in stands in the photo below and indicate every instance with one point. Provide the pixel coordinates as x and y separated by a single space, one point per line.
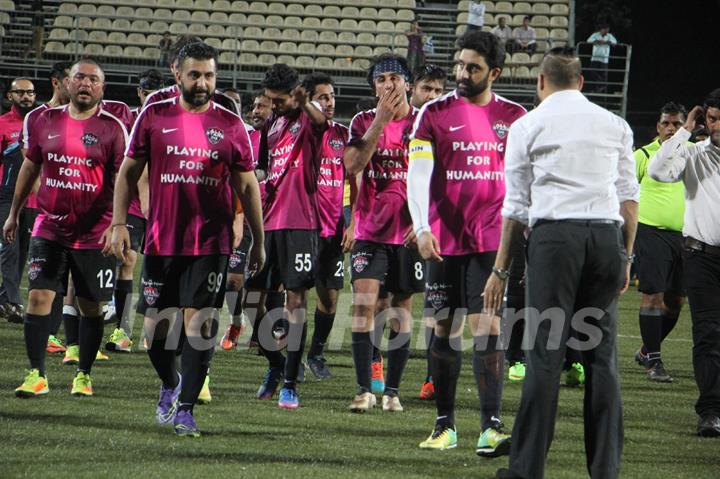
416 56
598 73
235 95
38 30
524 36
504 33
476 15
165 45
428 84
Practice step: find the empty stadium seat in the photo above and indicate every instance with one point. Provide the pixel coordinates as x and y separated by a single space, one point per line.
159 26
286 59
559 22
103 9
332 11
325 49
184 3
558 34
250 45
363 51
287 47
361 63
293 22
240 5
347 37
87 9
269 46
272 33
62 34
84 22
323 63
113 51
258 7
222 5
54 47
406 3
381 50
133 52
311 23
102 23
540 21
304 62
351 12
559 9
520 58
248 59
200 16
162 14
265 59
348 24
371 13
406 15
309 36
178 28
238 18
73 48
344 50
342 64
230 44
66 8
117 37
254 32
227 58
367 38
522 7
521 72
215 30
204 4
124 12
196 29
274 20
540 8
503 7
291 34
165 3
383 26
216 43
181 15
331 23
328 36
144 13
219 17
136 38
152 53
295 9
313 10
306 48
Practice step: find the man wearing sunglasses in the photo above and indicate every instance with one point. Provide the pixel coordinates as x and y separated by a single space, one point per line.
12 256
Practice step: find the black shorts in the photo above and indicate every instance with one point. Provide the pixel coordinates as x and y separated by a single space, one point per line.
49 264
659 260
290 257
238 257
400 269
136 228
330 265
458 282
182 282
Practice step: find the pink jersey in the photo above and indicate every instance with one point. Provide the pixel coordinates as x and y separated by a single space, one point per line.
121 111
381 214
28 123
174 92
190 157
290 149
331 180
468 182
255 137
79 159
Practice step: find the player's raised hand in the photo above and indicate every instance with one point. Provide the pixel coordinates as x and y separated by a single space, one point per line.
692 117
300 95
385 111
429 247
120 241
9 229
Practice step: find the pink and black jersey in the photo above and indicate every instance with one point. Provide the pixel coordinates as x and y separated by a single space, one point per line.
381 214
190 157
290 148
79 159
121 111
10 153
174 92
468 182
331 179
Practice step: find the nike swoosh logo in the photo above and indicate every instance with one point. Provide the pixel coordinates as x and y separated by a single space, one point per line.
52 137
168 130
456 128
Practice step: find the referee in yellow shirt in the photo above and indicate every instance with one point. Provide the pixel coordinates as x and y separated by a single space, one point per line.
658 246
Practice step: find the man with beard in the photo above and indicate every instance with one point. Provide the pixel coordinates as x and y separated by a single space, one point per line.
428 84
196 151
262 108
330 265
378 151
455 193
12 255
78 148
697 167
288 157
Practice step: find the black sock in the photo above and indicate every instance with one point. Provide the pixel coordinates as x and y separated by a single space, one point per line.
323 326
163 360
237 309
195 364
123 290
91 333
37 330
669 320
429 337
398 354
377 340
56 316
488 368
71 323
273 302
445 368
651 327
295 349
514 351
362 354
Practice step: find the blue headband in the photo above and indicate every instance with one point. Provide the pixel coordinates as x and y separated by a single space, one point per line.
391 65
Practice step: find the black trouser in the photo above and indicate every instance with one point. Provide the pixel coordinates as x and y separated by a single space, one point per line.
571 266
702 279
598 77
13 255
515 302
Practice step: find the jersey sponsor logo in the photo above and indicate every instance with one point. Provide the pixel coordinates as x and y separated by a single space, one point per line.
89 139
52 137
151 291
501 129
456 128
336 144
215 135
168 130
360 261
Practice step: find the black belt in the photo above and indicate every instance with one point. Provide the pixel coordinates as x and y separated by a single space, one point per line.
576 222
697 245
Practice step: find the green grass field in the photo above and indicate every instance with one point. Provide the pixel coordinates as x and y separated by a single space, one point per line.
113 434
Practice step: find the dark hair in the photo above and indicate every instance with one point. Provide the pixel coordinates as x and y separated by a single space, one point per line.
672 108
280 77
429 72
311 81
561 66
197 51
231 90
88 61
179 44
603 25
382 58
59 70
526 17
257 93
485 44
366 103
713 99
151 79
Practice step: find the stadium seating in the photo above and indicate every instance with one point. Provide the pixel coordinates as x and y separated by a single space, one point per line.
327 23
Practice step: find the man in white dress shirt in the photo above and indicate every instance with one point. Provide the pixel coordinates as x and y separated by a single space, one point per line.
582 211
698 167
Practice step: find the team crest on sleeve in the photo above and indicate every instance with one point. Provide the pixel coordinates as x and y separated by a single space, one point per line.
336 144
151 291
89 139
360 261
501 129
215 135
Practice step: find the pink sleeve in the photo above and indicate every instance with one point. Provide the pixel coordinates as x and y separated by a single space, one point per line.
34 152
137 144
243 158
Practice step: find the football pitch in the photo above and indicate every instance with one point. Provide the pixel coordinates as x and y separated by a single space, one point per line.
114 434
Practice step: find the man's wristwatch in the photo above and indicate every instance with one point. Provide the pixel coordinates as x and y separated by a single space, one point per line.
503 274
631 258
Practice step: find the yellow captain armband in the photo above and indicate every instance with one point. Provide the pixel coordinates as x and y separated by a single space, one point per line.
421 150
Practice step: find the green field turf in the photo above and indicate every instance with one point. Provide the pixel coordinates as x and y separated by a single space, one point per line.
113 434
